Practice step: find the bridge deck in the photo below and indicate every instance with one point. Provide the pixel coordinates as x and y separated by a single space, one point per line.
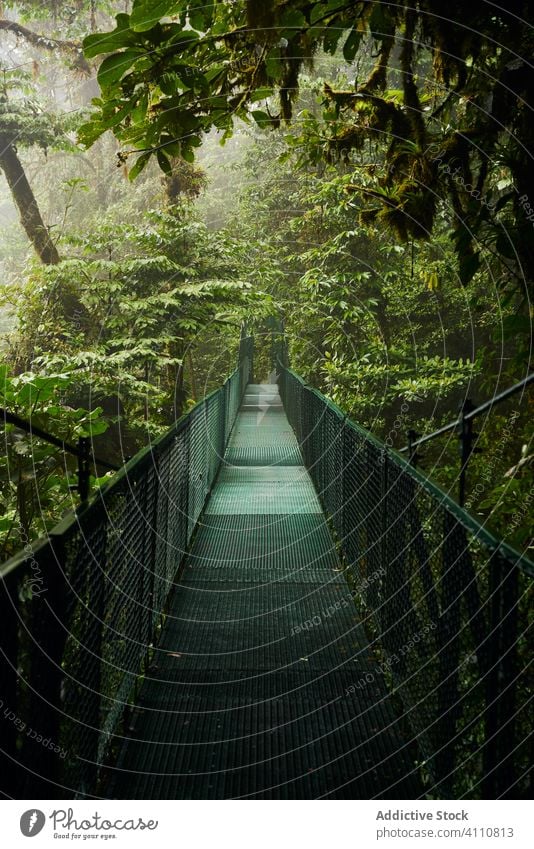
263 684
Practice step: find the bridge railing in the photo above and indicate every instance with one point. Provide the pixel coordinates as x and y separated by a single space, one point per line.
79 609
444 600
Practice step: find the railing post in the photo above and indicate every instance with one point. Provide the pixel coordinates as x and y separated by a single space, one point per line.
384 484
501 681
413 456
84 464
250 376
466 437
453 581
49 632
10 767
153 531
149 512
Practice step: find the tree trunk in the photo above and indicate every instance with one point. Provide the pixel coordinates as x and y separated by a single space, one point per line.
30 217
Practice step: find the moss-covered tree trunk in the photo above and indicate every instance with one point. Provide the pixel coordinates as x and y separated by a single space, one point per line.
30 216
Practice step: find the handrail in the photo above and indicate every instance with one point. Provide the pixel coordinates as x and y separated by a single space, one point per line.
466 435
467 414
91 594
464 422
82 452
468 521
424 566
144 455
22 424
473 413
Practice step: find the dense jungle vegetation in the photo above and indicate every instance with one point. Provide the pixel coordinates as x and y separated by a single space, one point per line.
362 171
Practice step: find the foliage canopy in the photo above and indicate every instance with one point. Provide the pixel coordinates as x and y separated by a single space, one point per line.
448 92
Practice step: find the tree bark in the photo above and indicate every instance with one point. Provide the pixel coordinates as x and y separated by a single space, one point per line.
30 216
70 49
38 40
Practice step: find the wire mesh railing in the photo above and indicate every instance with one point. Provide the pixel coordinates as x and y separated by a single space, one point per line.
445 602
80 609
464 427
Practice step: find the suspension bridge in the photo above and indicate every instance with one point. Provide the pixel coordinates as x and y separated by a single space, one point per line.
265 603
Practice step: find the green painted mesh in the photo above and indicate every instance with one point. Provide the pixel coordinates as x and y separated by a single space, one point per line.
71 655
442 596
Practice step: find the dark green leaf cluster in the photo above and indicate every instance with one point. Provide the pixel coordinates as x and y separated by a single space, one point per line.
35 476
445 93
23 122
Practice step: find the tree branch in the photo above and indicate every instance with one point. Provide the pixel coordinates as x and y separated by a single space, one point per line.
45 42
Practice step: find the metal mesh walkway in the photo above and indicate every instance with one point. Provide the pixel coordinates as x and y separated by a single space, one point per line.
263 684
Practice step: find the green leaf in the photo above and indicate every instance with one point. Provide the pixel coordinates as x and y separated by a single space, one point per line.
94 428
468 267
183 38
273 65
379 23
350 48
109 42
261 118
163 162
89 132
323 10
188 154
173 147
261 93
147 13
168 83
317 12
215 72
432 281
95 413
138 112
293 19
331 38
5 523
140 163
514 325
114 67
218 101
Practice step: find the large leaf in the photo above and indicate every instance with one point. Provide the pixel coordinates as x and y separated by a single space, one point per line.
93 428
332 34
109 42
293 19
163 162
147 13
262 93
351 45
380 22
512 325
200 14
183 38
114 67
469 263
322 11
261 118
138 166
505 246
